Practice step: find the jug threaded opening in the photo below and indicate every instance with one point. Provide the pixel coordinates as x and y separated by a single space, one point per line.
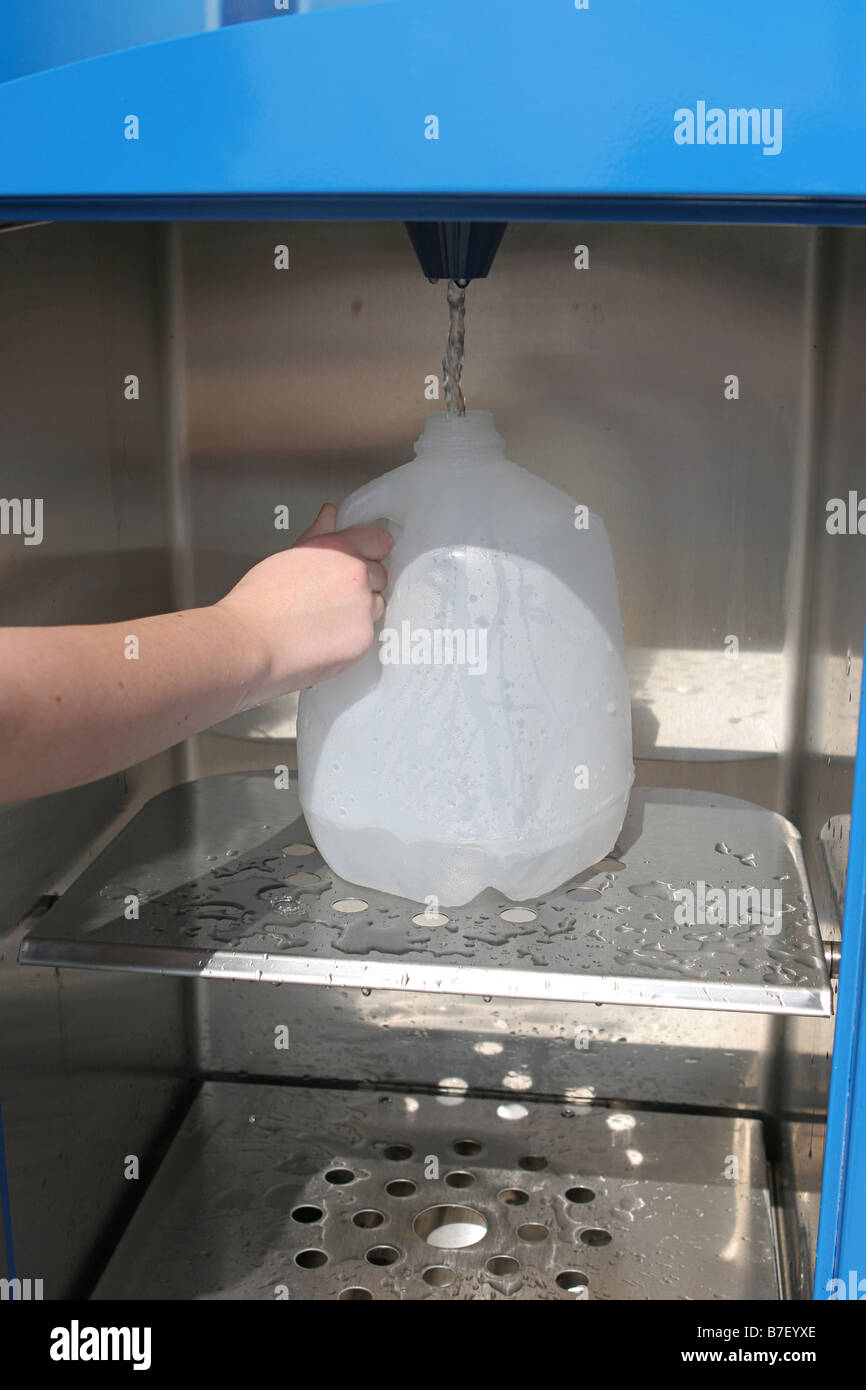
459 436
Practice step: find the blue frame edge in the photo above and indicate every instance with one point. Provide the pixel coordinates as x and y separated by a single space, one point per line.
840 1268
507 207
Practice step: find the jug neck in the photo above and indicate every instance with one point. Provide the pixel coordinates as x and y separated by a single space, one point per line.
461 439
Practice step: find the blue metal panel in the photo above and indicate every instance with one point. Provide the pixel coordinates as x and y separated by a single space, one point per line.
542 99
38 34
841 1260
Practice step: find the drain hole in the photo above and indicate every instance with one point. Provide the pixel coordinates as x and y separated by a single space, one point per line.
339 1175
360 1294
572 1281
401 1187
511 1110
437 1276
298 851
514 1197
533 1233
349 905
435 919
502 1264
467 1148
459 1179
383 1255
307 1214
311 1259
580 1194
368 1219
450 1228
532 1163
303 879
452 1090
518 914
397 1153
619 1122
595 1236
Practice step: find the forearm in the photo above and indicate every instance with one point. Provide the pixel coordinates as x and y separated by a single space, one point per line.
77 703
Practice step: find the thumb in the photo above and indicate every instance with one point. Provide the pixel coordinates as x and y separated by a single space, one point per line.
325 522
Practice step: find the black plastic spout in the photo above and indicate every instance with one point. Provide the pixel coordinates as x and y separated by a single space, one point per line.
460 251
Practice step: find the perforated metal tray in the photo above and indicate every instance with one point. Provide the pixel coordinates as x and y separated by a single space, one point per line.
218 878
274 1192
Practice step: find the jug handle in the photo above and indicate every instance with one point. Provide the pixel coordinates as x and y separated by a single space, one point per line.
380 498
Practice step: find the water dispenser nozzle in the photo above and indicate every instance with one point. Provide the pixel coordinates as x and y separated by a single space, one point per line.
460 251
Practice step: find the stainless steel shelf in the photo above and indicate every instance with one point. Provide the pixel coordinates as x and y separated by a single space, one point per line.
228 886
274 1192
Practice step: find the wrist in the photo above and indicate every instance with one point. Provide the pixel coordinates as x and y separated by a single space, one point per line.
246 650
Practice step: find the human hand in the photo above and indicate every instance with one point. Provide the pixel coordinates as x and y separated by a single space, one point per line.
310 609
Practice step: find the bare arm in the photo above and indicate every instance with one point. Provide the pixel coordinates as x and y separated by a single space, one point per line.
77 703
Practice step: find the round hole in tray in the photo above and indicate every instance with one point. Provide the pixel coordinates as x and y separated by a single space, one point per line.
401 1187
349 905
438 1276
594 1236
368 1219
303 879
453 1090
397 1153
453 1083
518 914
620 1122
459 1179
311 1259
307 1214
450 1227
466 1148
511 1110
298 851
513 1197
572 1281
383 1255
339 1176
580 1195
435 919
533 1233
584 895
503 1264
532 1163
362 1295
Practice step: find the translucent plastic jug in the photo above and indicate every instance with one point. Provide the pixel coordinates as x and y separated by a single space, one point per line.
485 738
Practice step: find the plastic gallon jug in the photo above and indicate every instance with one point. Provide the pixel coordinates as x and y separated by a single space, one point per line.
485 738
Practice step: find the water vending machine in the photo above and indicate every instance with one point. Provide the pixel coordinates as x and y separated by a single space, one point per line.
245 1055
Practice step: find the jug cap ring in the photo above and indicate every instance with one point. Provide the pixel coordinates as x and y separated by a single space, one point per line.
471 433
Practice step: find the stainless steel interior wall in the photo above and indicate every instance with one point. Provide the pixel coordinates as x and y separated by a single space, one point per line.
832 679
699 387
89 1062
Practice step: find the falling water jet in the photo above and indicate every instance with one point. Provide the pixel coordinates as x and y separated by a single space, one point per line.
452 362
